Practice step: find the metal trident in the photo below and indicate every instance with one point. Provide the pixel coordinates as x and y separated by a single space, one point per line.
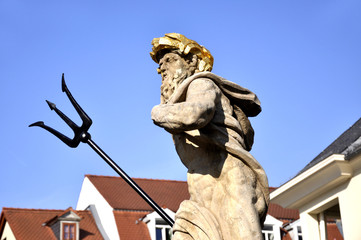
81 135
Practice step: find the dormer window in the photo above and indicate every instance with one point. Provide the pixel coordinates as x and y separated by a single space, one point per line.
69 231
65 226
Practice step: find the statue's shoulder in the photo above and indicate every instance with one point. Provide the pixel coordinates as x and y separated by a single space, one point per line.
204 78
203 83
240 96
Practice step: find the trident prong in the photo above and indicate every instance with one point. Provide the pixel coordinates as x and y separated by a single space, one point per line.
81 135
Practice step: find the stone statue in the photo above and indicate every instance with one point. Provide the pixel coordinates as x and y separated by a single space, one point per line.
208 119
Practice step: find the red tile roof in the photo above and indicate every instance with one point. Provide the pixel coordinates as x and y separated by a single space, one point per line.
285 215
271 189
165 193
332 232
28 223
130 226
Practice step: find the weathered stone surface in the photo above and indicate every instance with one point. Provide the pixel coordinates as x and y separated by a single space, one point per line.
208 119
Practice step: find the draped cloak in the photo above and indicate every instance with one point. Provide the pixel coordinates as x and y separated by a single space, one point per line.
232 134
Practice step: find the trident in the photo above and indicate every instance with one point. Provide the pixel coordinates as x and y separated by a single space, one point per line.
81 135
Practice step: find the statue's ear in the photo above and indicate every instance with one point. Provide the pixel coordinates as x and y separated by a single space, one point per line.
192 62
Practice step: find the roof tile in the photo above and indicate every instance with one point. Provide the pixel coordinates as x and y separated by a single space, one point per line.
333 232
130 226
285 215
29 223
167 193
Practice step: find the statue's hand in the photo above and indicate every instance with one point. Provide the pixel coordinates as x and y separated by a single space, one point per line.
159 116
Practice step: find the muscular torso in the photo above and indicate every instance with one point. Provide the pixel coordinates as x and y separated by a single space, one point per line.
205 161
217 180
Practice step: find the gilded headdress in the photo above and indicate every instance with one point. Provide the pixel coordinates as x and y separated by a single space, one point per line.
176 41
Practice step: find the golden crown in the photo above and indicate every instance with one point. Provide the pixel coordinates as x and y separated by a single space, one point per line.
176 41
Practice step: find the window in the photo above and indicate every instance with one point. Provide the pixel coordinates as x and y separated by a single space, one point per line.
69 231
299 232
267 232
162 231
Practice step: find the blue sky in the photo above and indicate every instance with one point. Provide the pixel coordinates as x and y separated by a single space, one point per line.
302 59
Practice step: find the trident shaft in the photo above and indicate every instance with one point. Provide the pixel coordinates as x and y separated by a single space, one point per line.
81 135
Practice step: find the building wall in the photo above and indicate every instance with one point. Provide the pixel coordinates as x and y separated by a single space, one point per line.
90 195
347 195
350 204
7 233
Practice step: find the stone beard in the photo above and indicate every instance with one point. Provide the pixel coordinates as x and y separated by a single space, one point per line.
208 119
174 70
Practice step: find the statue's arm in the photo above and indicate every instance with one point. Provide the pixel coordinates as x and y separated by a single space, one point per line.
194 113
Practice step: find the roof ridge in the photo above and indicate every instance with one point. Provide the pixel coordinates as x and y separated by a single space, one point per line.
136 178
42 209
31 209
117 210
158 179
93 175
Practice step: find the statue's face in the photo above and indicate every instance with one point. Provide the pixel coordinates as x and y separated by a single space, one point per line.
174 69
172 66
